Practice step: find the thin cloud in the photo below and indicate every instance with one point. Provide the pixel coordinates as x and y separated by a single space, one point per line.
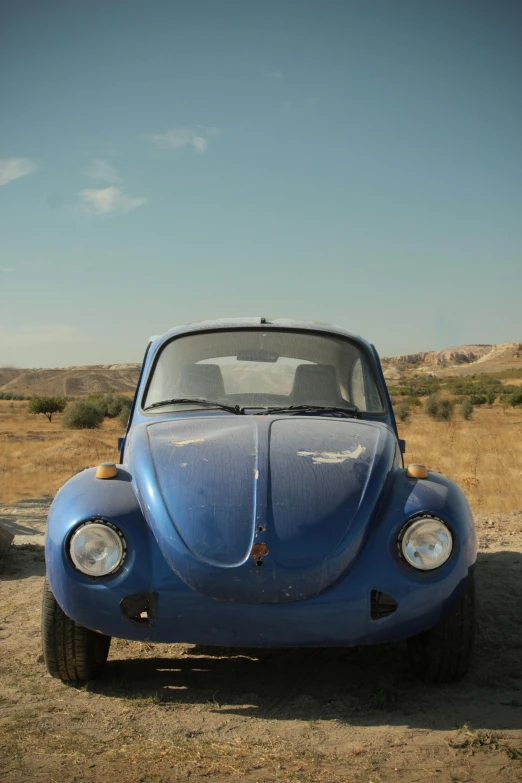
276 74
101 170
14 168
178 138
105 201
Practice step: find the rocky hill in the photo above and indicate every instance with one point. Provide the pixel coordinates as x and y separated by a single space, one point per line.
463 360
70 381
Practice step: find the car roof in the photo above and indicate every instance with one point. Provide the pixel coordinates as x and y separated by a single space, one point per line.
259 322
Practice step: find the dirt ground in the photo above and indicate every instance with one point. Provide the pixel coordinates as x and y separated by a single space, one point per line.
175 712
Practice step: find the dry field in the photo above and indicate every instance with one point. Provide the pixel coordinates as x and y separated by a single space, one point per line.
181 712
37 457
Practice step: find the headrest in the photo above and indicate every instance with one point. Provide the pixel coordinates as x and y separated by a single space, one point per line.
201 380
315 383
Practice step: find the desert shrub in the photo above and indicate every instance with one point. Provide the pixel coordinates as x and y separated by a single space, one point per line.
82 415
402 411
491 396
478 399
48 406
438 409
505 400
431 405
444 410
414 401
516 398
112 404
466 408
123 416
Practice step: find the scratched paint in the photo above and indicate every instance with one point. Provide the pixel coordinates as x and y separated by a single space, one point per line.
187 442
332 457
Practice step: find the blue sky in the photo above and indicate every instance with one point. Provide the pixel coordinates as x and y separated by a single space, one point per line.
165 161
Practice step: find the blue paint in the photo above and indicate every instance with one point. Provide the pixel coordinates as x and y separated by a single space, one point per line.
326 496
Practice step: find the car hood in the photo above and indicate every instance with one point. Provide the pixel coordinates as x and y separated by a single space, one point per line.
260 508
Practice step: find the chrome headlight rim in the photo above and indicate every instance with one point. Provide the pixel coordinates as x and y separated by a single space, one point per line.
408 525
101 522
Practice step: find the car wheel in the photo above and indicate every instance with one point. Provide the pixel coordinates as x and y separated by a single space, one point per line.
71 653
444 652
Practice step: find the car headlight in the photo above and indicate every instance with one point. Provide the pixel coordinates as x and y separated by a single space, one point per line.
426 543
97 548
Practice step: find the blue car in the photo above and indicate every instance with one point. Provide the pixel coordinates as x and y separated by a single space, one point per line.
261 500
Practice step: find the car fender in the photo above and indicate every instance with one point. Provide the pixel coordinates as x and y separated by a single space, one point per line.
85 497
408 498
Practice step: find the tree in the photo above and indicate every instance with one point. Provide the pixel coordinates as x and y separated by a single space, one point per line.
466 409
47 405
82 415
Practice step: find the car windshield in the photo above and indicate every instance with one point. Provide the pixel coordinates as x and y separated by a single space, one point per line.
258 369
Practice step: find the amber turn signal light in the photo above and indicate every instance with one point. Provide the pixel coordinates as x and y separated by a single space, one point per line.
417 471
106 470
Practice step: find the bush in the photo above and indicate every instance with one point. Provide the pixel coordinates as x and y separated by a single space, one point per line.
445 410
478 399
466 409
491 396
516 398
402 411
414 402
47 405
123 417
438 409
431 406
111 404
82 415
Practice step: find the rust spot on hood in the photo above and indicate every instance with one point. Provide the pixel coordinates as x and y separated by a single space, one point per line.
259 550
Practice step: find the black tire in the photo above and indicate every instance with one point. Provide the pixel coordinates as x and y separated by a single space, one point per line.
71 653
444 652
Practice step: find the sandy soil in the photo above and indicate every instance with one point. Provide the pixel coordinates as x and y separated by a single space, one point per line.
176 712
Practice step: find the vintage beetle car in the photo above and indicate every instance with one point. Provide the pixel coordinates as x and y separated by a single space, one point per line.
261 501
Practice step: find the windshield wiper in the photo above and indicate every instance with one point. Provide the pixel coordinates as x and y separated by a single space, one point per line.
351 410
199 400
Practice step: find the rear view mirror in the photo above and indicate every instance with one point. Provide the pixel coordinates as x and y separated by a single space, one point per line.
257 355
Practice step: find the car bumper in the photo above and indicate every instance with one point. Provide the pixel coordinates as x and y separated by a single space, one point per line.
341 616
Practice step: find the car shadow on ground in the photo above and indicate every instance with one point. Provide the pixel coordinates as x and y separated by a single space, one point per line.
359 686
21 561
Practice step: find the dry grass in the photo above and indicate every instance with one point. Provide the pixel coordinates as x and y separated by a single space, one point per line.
37 457
484 455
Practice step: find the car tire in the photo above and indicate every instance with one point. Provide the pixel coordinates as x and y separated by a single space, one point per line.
443 653
71 653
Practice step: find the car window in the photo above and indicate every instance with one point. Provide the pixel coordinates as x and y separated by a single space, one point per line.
357 384
258 369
